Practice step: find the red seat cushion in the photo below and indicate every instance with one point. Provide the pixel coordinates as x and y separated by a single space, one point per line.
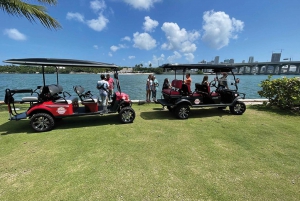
177 84
171 92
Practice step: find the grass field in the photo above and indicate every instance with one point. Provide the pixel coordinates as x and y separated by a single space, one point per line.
211 156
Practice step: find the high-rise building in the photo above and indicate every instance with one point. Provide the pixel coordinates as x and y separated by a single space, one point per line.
231 61
226 61
275 57
251 59
217 59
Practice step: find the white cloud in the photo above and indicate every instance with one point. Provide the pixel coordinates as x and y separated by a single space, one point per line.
189 57
141 4
143 41
149 24
122 46
98 24
114 48
179 39
96 47
97 5
219 29
75 16
131 57
175 56
157 61
110 54
127 38
14 34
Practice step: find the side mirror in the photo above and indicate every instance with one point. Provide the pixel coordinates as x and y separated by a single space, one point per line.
237 80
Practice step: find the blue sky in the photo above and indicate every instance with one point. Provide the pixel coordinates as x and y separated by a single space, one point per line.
130 32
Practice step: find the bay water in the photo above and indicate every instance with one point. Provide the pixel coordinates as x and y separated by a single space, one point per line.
132 84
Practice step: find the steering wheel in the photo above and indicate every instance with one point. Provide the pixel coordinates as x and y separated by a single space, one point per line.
213 84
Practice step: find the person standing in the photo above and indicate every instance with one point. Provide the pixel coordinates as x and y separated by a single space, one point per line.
111 86
166 85
154 88
102 86
148 88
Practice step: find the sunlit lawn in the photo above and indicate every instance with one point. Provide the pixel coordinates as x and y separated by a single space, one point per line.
211 156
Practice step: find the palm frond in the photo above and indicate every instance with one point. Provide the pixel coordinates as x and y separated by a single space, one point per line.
30 11
50 2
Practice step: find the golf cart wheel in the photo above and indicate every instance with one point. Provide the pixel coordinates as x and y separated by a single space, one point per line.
238 108
127 115
182 111
42 122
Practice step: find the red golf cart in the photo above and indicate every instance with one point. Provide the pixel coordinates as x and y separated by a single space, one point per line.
48 103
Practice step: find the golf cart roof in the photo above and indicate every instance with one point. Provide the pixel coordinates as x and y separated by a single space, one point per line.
214 67
60 62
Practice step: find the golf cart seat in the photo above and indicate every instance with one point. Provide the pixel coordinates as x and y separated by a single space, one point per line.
49 92
185 90
34 97
202 88
176 87
55 90
85 97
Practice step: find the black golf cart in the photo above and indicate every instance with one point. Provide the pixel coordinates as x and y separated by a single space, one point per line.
48 103
180 98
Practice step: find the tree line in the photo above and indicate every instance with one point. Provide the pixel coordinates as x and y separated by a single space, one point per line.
23 69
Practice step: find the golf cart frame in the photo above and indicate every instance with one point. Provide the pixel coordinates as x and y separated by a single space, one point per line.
48 103
179 98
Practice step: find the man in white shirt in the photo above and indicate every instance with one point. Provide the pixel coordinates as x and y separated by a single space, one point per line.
102 85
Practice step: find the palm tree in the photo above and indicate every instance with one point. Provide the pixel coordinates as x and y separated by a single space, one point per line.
30 11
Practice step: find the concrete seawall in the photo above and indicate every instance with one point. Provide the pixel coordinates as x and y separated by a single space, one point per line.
247 101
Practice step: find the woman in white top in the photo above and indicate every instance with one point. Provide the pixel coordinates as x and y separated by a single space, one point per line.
149 88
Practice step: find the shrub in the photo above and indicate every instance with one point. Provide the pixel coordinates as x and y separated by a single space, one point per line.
282 92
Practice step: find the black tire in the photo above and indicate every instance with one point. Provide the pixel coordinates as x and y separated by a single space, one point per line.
182 111
238 108
42 122
127 115
170 109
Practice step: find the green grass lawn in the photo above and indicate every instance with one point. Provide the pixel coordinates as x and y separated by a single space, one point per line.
211 156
